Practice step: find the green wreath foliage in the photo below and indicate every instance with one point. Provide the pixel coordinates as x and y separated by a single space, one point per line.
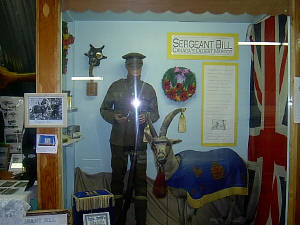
179 83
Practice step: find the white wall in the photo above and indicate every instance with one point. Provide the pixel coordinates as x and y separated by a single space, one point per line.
92 154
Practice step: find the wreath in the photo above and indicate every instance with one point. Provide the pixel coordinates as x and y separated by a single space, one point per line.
67 39
179 83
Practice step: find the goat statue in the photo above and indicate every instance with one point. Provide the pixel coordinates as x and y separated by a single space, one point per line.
196 177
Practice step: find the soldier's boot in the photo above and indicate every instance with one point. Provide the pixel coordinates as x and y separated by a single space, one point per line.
140 223
140 207
117 212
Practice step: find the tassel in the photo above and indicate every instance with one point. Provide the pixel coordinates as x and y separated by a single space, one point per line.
146 130
160 187
182 123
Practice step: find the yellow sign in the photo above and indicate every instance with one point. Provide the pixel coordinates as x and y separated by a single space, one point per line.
217 46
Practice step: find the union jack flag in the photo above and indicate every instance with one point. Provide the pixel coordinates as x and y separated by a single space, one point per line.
269 116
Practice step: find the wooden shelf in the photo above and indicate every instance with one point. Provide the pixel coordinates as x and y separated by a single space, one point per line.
72 109
71 141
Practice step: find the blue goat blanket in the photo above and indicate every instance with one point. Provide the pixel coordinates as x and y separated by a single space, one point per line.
208 176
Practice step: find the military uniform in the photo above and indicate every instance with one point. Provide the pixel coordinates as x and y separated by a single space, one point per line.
127 136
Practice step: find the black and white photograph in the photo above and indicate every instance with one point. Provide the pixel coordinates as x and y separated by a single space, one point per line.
45 110
12 110
101 218
13 137
16 163
218 124
4 153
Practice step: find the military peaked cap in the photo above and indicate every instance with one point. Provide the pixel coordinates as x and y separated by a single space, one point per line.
133 55
134 59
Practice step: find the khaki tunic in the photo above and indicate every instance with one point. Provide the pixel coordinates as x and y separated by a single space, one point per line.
118 100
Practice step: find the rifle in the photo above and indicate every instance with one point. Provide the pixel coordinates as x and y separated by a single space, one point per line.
130 183
129 190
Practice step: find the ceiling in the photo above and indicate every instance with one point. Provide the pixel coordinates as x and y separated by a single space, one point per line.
17 39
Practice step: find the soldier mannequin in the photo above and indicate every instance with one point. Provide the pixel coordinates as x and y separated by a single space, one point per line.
127 131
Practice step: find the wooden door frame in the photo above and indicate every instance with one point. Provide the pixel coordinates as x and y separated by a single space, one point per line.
48 80
294 148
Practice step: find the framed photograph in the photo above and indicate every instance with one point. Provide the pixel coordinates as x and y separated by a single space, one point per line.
13 111
46 140
46 143
13 137
4 154
16 163
45 109
101 218
49 217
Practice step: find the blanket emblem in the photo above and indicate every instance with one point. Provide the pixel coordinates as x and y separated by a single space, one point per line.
217 171
197 172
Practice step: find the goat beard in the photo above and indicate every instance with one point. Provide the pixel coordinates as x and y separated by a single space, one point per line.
160 187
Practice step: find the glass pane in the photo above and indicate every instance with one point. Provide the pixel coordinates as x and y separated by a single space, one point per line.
229 79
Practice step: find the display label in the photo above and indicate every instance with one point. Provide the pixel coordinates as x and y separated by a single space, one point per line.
203 46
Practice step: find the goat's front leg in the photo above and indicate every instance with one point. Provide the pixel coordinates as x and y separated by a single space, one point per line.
190 212
181 203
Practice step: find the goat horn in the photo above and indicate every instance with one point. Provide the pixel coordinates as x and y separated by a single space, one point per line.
152 129
168 119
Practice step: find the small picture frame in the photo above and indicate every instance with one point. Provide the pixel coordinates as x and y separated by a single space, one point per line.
45 109
46 140
16 163
46 143
101 218
4 154
49 216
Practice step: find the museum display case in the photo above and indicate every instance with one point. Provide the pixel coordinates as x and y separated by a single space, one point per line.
226 84
216 67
